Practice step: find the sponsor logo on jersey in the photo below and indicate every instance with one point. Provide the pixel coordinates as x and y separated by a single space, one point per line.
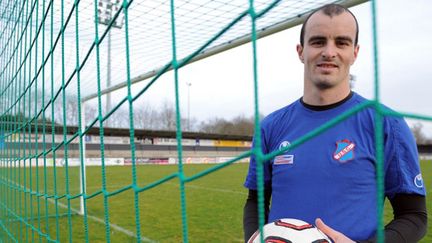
284 159
418 181
344 151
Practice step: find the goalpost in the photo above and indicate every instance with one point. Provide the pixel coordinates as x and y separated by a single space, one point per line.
51 51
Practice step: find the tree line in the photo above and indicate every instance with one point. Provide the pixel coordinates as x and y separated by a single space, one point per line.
145 116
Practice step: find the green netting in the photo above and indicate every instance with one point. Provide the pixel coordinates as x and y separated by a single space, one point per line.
39 199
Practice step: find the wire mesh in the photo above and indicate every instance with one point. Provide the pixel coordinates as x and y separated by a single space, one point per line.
52 49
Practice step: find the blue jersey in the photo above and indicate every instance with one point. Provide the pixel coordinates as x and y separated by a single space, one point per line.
333 176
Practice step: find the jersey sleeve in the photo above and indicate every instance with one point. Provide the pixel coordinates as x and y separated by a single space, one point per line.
251 178
402 167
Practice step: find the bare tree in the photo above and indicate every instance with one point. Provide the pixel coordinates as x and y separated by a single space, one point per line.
37 104
417 130
145 117
119 119
167 116
89 114
193 127
71 104
240 125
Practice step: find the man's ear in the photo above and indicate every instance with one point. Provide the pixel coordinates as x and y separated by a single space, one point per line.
300 52
356 50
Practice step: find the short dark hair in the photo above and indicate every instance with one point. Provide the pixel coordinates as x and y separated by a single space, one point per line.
329 10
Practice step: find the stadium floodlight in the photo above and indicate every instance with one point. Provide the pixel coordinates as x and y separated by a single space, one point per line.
106 8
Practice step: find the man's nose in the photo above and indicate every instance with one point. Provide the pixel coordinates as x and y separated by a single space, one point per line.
329 51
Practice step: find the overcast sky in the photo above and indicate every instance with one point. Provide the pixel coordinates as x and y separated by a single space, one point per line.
222 85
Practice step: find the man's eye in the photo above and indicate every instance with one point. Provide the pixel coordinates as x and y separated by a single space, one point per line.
343 43
317 43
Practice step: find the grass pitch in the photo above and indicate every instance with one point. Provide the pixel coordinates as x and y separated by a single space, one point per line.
214 205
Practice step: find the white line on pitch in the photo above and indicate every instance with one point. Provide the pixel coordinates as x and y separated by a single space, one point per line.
114 226
209 188
176 184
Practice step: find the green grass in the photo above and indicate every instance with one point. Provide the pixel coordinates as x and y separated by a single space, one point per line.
214 205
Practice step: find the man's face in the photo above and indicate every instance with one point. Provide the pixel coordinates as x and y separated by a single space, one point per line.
328 50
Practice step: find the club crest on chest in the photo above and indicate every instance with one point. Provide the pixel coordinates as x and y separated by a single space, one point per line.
344 151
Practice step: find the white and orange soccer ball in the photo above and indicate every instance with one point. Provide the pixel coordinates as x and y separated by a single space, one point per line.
290 230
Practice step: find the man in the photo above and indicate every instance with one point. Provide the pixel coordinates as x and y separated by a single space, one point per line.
331 178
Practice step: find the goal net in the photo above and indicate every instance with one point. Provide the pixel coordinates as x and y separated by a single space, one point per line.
57 56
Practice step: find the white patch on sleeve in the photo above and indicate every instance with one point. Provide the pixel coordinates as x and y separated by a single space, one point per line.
418 181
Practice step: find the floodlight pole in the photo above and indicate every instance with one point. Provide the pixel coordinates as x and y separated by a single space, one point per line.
108 97
188 100
107 8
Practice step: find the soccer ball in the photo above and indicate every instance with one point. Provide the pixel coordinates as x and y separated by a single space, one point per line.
290 230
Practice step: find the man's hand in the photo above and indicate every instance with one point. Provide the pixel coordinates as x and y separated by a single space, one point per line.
336 236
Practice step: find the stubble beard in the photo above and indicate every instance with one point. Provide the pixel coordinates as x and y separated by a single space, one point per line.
323 84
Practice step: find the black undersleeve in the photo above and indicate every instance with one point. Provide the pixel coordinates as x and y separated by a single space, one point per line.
250 212
408 225
410 220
